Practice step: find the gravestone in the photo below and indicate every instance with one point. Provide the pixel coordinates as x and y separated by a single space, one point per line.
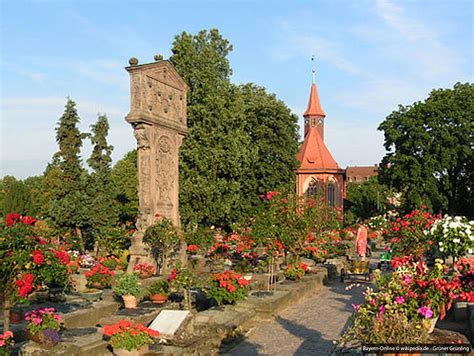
158 117
168 322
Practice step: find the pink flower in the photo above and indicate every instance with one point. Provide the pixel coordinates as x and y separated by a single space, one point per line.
57 317
37 321
399 299
356 307
406 278
426 312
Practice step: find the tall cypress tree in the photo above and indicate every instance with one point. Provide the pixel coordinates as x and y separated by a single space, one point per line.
69 206
103 210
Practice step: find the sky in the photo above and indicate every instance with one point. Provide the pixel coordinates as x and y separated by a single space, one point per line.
370 56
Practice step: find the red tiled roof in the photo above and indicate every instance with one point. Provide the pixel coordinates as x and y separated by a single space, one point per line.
314 106
363 171
314 154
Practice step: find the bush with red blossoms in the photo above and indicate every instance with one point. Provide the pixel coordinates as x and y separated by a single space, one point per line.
410 235
129 336
228 287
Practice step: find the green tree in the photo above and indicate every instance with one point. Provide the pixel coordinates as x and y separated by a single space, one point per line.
430 155
273 132
365 200
69 204
124 178
103 210
16 196
217 154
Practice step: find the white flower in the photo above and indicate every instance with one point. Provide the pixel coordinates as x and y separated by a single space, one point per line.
441 243
456 240
441 249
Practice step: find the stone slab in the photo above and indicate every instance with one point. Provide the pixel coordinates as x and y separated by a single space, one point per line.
168 322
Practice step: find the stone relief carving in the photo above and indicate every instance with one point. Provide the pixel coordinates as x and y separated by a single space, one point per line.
158 117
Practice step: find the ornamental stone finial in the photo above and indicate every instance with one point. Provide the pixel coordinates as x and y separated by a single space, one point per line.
158 57
133 61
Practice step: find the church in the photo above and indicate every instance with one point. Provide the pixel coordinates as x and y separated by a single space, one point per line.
318 173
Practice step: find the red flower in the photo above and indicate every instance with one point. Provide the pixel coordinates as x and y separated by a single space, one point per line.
25 284
231 288
172 274
12 218
192 248
38 257
28 220
63 257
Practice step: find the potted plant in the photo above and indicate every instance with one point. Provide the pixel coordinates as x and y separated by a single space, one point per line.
158 292
128 287
6 342
43 326
128 339
228 287
99 277
111 262
144 270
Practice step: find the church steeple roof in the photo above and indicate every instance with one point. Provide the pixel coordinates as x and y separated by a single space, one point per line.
314 106
313 153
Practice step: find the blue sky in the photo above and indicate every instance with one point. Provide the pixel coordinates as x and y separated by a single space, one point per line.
371 55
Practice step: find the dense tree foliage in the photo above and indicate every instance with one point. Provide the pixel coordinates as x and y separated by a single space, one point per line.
70 201
365 200
233 151
103 210
15 196
125 181
430 151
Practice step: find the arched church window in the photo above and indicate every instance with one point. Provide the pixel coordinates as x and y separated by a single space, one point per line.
314 188
332 193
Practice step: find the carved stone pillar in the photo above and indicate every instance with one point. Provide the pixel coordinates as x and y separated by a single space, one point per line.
158 117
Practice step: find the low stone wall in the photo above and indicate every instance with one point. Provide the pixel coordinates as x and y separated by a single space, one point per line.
204 333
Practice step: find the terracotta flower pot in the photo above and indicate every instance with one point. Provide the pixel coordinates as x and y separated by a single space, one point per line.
158 298
142 351
145 275
97 285
130 301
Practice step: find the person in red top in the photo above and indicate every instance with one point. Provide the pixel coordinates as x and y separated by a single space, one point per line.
361 242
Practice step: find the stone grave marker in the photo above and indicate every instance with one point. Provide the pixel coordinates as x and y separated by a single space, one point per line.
168 322
158 117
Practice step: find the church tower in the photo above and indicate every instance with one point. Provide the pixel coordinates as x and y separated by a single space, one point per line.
314 114
318 173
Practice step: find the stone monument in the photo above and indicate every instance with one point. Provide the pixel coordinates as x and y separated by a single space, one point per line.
158 117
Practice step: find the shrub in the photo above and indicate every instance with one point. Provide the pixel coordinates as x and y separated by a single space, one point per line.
128 284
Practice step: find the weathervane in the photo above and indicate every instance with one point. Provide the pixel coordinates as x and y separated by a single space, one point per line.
313 69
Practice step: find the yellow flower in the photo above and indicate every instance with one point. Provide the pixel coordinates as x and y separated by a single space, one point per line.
28 265
439 260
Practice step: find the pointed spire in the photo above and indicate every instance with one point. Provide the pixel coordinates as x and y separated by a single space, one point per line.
314 106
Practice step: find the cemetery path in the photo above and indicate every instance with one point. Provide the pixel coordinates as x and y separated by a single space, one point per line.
309 327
